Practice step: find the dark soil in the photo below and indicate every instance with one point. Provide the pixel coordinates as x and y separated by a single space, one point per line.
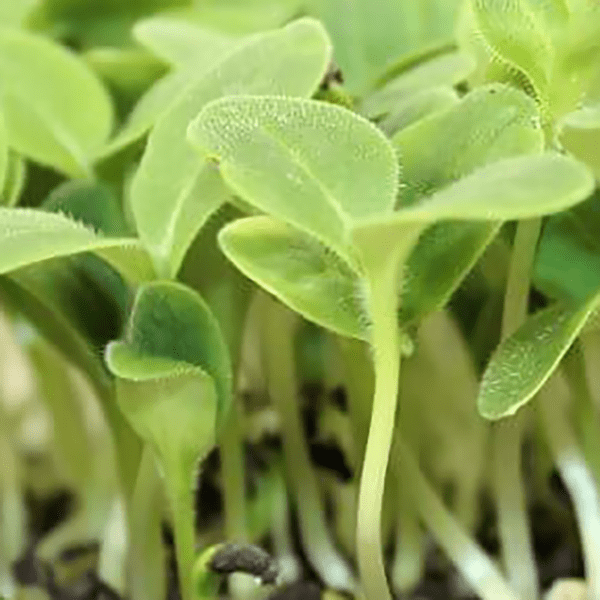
554 530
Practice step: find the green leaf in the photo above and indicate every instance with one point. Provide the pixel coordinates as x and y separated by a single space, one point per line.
586 117
367 36
512 188
180 42
172 343
443 256
14 181
314 165
4 158
173 191
56 111
296 268
13 13
446 69
525 360
30 236
418 106
518 32
568 258
490 123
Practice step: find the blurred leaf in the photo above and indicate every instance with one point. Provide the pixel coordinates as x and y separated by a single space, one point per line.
446 69
4 159
314 165
568 259
300 271
129 70
181 43
524 361
367 36
14 13
418 106
174 191
29 236
16 173
56 111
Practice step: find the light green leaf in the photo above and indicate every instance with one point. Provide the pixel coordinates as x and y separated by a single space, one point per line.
296 268
367 35
446 69
314 165
13 13
4 160
131 71
174 369
586 117
174 191
30 236
180 42
442 257
14 181
518 32
56 111
524 361
513 188
490 123
418 106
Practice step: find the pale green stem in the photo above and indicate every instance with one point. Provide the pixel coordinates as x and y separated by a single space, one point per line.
470 560
513 524
385 342
181 495
279 327
585 412
234 493
147 576
578 479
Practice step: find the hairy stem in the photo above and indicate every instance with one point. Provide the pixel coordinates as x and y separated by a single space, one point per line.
279 327
515 536
386 357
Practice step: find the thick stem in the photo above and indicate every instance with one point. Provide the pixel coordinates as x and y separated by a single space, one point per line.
386 357
470 560
515 536
578 479
279 326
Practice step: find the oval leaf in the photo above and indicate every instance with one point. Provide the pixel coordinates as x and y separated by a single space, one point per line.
171 332
296 268
513 188
312 164
30 236
524 361
173 191
56 110
180 42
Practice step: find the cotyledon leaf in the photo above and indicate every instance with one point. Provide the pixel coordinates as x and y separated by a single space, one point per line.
314 165
520 34
512 188
173 191
56 111
171 333
30 236
446 69
180 42
490 123
524 361
4 159
299 270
